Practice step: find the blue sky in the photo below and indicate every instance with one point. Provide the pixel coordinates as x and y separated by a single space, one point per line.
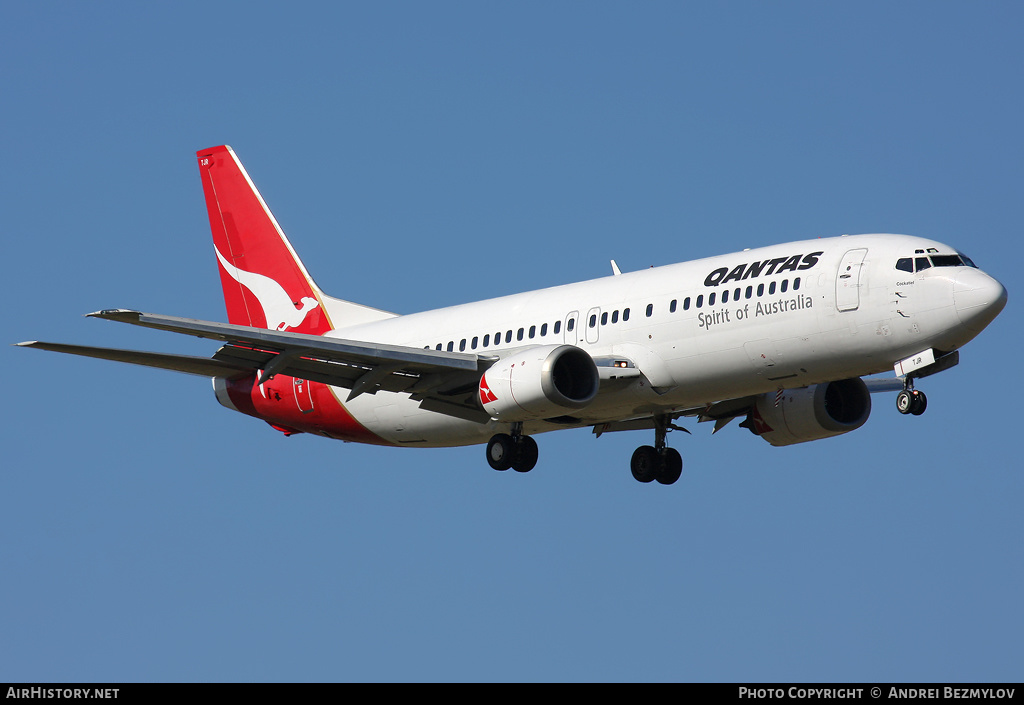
422 155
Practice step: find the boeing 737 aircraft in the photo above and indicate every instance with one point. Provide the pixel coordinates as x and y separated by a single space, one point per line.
779 337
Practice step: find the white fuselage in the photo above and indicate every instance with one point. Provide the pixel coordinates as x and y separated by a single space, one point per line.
724 327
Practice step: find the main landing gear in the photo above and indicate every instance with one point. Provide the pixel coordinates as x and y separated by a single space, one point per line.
910 400
659 462
513 450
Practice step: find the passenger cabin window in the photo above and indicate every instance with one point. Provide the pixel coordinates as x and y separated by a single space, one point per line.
625 315
686 304
487 340
615 316
672 306
557 328
462 345
570 324
533 331
593 320
543 329
519 334
725 296
711 299
650 310
700 300
604 318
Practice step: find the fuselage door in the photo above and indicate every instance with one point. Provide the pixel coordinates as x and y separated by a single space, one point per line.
848 280
303 394
593 325
570 327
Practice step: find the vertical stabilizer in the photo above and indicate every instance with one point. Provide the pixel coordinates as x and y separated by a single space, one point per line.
265 284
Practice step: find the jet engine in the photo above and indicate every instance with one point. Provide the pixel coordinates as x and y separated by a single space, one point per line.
538 383
809 413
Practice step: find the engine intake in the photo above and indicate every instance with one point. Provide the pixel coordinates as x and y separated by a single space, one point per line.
810 413
539 382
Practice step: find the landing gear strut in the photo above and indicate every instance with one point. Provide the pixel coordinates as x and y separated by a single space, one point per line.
910 400
659 462
513 450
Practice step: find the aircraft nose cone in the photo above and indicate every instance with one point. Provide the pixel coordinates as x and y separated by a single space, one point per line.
978 298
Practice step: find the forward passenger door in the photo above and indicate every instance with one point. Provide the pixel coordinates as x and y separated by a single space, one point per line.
848 280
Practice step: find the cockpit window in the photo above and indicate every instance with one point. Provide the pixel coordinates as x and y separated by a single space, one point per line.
907 264
947 261
967 260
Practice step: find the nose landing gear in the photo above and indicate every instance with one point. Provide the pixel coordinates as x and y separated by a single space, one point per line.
910 400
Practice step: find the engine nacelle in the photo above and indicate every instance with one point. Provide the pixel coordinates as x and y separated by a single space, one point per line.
810 413
538 383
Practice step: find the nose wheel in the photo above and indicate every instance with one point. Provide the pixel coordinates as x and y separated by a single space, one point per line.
911 401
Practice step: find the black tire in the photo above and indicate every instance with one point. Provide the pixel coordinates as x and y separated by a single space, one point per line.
671 467
919 404
905 402
525 455
645 464
500 451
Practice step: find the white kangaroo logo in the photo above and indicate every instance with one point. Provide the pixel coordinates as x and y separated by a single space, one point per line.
278 308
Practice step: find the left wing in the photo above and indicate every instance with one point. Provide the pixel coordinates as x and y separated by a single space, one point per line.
441 381
179 363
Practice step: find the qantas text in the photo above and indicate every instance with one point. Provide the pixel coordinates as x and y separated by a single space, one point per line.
724 275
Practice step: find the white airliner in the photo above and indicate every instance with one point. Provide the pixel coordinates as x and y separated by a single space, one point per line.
779 336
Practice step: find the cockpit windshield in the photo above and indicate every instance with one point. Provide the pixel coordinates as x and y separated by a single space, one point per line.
919 263
967 260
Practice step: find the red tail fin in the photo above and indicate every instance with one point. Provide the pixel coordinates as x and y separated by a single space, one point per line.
265 284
